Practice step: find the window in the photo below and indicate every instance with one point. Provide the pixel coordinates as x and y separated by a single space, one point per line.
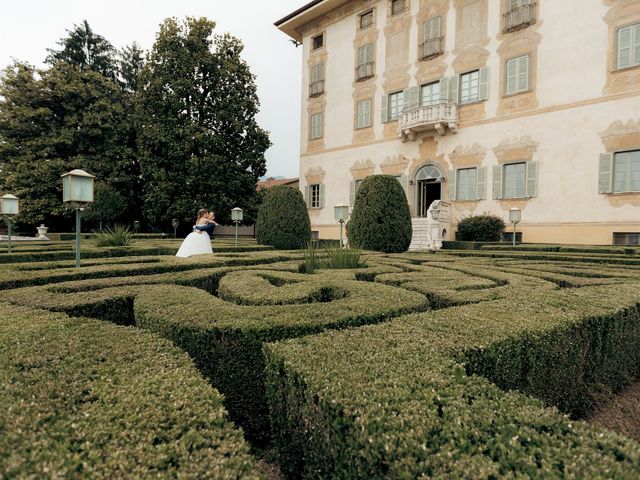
318 41
366 19
364 114
431 41
357 184
629 46
470 87
365 62
519 14
626 238
517 75
316 87
398 6
430 94
314 196
316 126
515 176
396 104
467 182
626 172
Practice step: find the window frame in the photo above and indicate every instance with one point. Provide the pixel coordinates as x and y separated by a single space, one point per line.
362 15
314 196
461 88
632 47
369 123
403 8
471 187
517 91
628 177
422 89
320 132
524 181
399 106
313 41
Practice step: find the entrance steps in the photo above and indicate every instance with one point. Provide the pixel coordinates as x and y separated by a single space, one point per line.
420 239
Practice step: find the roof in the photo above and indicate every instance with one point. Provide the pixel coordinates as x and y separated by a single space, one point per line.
291 23
272 182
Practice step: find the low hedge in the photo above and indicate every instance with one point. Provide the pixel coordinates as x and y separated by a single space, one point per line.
414 397
86 399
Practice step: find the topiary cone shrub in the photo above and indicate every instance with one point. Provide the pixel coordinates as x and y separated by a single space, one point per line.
283 220
481 228
381 220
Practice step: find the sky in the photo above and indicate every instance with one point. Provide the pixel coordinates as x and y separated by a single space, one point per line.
28 28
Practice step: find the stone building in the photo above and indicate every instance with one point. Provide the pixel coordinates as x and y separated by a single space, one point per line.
483 104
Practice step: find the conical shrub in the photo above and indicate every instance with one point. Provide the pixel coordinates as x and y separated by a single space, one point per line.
283 220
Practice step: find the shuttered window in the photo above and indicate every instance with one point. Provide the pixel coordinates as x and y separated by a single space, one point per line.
626 172
364 114
629 46
430 94
318 41
366 19
396 104
398 6
515 180
466 183
365 62
518 75
317 80
316 126
470 87
316 196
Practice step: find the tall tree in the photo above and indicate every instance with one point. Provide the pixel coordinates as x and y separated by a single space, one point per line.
87 50
199 140
55 120
130 63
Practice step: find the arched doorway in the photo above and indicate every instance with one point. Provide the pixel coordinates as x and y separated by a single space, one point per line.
428 188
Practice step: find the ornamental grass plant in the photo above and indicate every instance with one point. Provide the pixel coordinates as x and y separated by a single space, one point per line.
119 236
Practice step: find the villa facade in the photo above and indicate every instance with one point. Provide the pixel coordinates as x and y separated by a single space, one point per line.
485 104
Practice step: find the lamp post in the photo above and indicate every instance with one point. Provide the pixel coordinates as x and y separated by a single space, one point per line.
515 215
174 223
341 213
77 192
236 216
9 208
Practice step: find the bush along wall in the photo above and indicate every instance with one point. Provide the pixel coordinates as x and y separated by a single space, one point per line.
381 220
481 228
283 220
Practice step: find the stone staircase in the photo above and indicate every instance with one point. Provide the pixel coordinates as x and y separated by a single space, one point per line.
420 237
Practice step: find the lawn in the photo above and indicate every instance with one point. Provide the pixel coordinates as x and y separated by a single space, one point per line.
462 364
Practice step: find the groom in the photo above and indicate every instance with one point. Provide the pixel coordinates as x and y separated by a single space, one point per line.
210 226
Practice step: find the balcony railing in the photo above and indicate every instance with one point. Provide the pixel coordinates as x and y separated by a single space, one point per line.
431 48
519 17
440 118
316 88
364 71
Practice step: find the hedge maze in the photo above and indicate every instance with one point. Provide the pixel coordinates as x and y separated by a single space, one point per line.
475 364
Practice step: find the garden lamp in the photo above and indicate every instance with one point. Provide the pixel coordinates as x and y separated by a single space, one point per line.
236 216
77 192
9 208
515 215
341 213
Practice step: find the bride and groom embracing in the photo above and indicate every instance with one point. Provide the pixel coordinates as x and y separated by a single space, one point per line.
198 242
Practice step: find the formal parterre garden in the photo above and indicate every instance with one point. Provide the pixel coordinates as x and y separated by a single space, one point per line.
461 364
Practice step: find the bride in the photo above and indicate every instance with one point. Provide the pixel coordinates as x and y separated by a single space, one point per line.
197 242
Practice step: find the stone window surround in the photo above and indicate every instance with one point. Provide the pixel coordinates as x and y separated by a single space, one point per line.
503 86
621 13
322 34
371 114
372 11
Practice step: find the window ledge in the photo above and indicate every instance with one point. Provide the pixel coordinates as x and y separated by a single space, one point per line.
626 69
476 102
622 194
511 95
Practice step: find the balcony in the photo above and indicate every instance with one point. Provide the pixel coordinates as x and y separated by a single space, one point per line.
519 17
439 118
364 71
431 48
316 88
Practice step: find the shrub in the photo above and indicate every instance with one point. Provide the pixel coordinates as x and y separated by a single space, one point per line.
120 236
283 220
343 258
311 260
481 228
381 220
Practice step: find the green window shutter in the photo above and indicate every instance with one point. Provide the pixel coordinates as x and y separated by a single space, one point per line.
444 88
453 89
512 76
497 182
484 83
523 73
435 27
481 183
532 179
321 195
624 47
367 113
369 53
306 195
411 98
404 181
384 108
352 193
605 173
452 185
636 44
315 73
360 114
362 55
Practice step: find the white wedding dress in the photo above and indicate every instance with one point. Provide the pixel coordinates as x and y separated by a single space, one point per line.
195 244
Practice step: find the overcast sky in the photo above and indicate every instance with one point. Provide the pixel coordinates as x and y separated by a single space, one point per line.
28 28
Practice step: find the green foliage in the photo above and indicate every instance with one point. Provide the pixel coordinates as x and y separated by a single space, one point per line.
381 220
283 219
109 205
119 236
199 140
311 260
87 399
481 228
343 258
